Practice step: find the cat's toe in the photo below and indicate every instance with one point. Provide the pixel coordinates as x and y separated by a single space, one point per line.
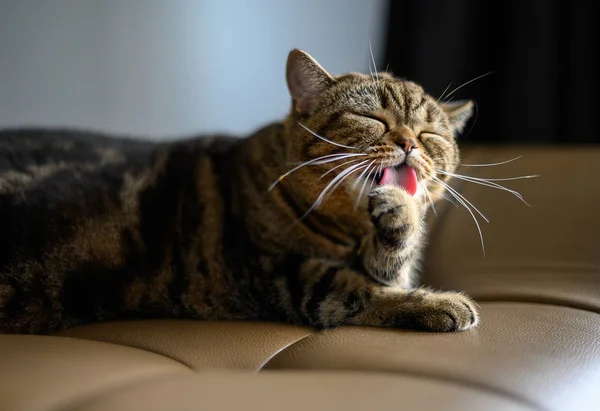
443 312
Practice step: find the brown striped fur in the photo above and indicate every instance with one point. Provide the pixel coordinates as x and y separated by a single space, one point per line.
98 228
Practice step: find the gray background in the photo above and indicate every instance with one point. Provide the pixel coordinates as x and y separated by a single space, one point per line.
167 68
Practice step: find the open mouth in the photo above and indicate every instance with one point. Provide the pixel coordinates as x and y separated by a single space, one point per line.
402 176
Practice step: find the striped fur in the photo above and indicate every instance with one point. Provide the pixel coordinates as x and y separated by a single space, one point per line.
99 228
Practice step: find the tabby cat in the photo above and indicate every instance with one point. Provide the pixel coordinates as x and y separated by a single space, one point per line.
98 228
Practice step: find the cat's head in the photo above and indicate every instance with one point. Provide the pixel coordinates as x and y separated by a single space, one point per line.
362 131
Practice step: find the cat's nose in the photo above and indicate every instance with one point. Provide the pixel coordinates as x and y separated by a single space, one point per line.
406 144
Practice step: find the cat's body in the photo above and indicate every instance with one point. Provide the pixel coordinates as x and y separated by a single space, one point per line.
95 228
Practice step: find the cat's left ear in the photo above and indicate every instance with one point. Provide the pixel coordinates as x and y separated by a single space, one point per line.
306 79
459 112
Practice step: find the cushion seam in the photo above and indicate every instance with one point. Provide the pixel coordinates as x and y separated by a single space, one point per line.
75 404
413 373
133 347
281 350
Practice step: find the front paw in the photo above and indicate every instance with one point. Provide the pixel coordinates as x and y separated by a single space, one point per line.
394 214
447 311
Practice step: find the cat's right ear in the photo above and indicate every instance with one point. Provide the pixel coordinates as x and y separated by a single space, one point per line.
306 79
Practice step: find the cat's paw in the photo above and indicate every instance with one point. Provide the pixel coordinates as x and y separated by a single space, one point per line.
394 214
445 311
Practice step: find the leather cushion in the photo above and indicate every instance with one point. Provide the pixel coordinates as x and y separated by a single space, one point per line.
297 391
546 253
199 344
541 355
46 373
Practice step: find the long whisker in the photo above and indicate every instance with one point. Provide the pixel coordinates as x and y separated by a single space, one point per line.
362 190
467 208
453 191
505 178
332 185
486 183
496 186
338 166
373 60
375 175
495 179
357 167
324 139
330 158
451 200
380 168
444 92
492 164
362 174
342 157
468 82
319 160
424 185
448 101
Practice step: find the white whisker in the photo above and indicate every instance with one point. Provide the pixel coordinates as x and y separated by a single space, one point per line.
336 179
453 191
324 139
424 185
448 101
468 82
342 157
450 200
375 175
319 160
466 207
357 167
332 186
506 178
491 164
444 92
362 190
373 60
487 183
338 166
362 174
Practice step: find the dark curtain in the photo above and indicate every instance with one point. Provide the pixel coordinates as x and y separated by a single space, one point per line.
543 55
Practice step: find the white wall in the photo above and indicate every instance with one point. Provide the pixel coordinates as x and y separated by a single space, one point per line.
171 67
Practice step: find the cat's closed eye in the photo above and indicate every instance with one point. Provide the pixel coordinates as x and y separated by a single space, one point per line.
373 119
425 134
380 120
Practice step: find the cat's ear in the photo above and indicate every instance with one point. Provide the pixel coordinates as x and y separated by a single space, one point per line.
306 79
459 112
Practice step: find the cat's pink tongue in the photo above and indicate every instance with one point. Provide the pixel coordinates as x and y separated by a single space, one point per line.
403 176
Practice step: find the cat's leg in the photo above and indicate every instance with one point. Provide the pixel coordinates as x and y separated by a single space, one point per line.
330 295
390 251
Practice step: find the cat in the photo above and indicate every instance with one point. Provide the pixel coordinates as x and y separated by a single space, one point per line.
98 228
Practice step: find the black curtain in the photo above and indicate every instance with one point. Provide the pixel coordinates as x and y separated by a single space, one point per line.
543 55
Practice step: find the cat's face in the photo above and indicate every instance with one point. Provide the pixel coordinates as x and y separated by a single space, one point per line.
380 130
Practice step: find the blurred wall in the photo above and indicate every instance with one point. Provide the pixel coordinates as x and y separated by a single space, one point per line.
168 68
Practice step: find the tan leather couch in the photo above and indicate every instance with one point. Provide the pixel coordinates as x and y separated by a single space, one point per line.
538 345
